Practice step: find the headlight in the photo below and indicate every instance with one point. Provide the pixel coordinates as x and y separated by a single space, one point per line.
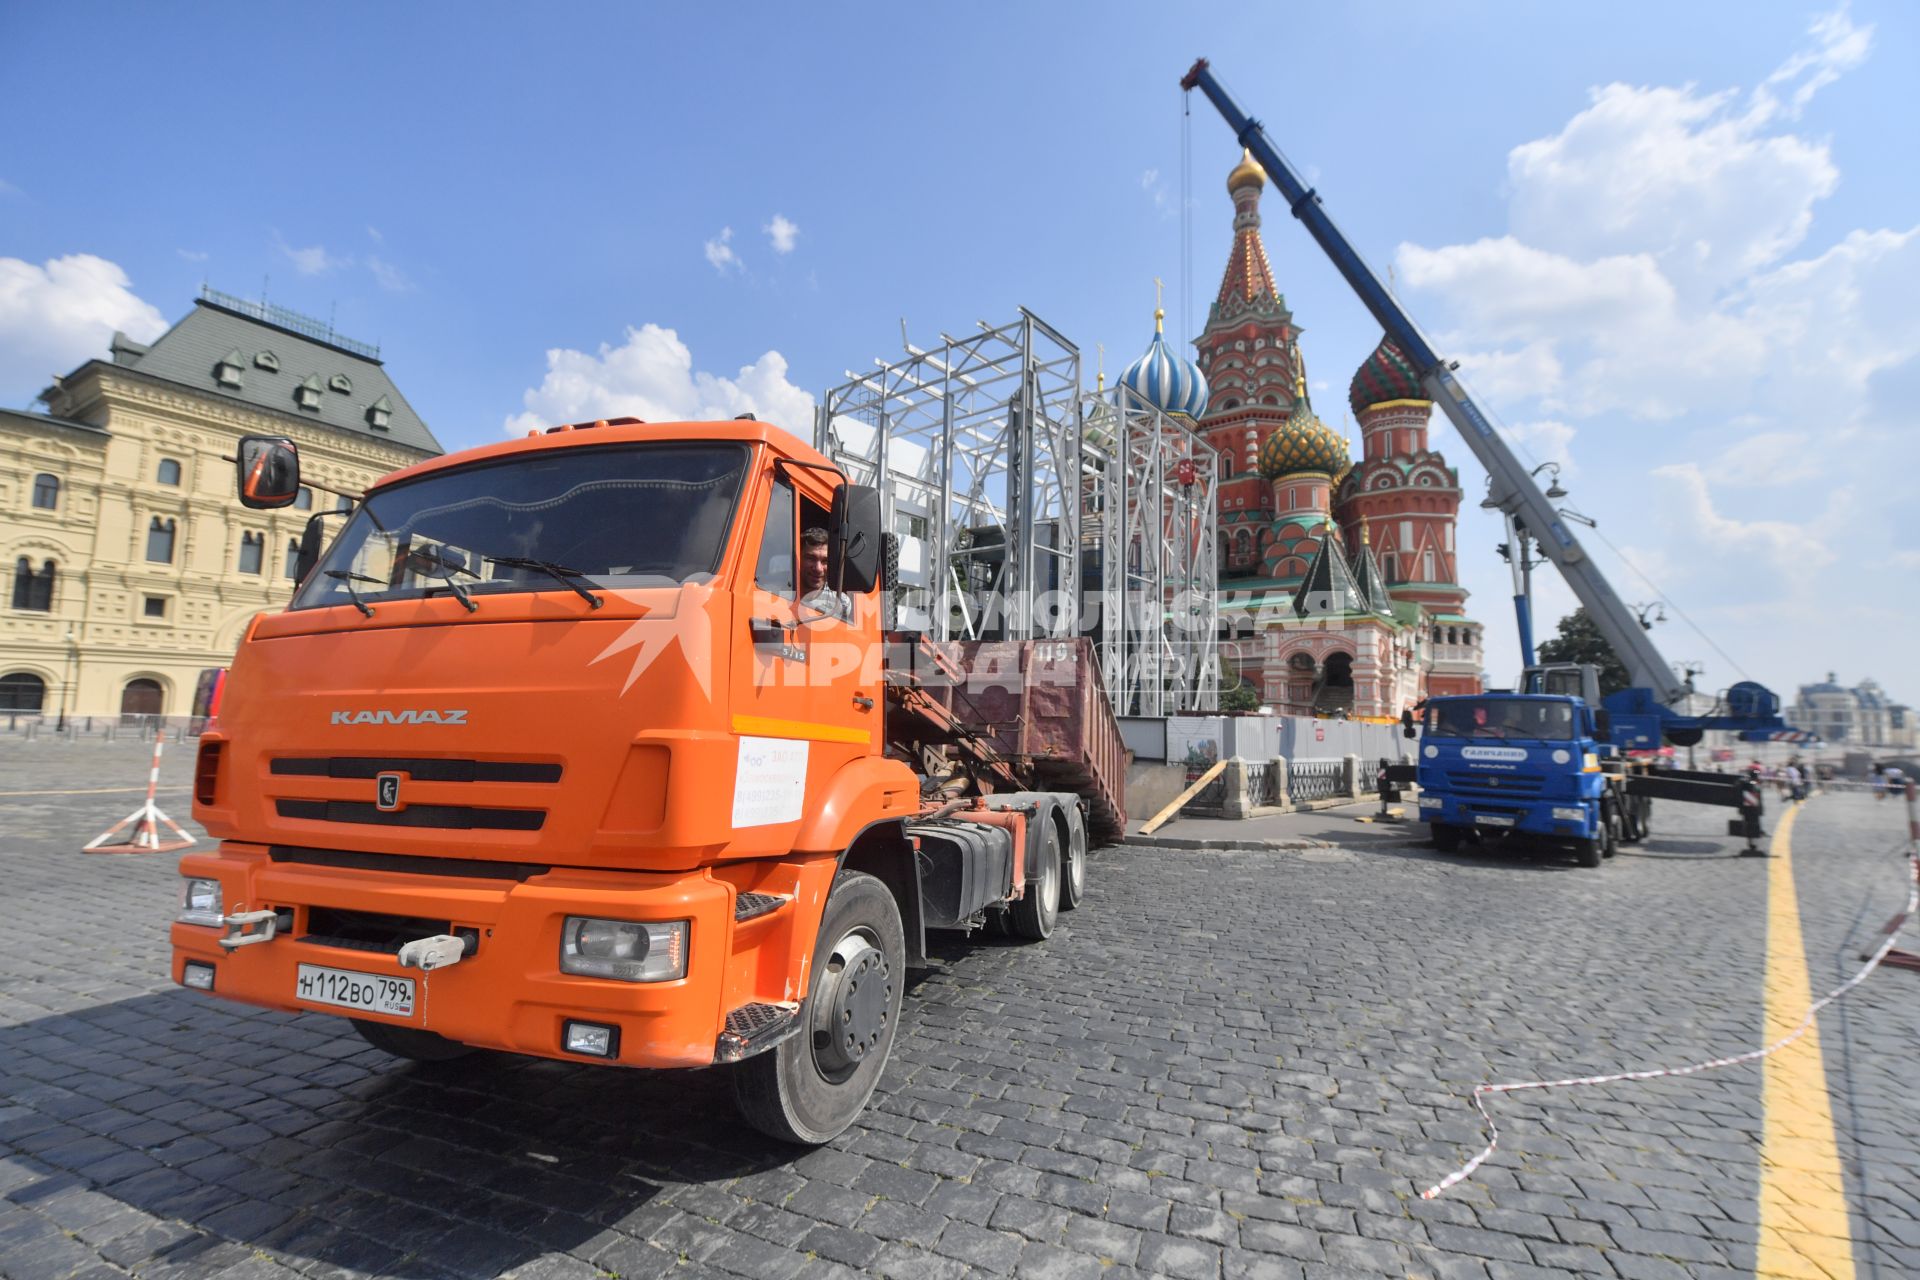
630 951
1432 802
200 902
1570 815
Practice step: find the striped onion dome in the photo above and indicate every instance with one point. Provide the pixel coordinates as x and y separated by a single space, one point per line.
1387 375
1170 384
1304 444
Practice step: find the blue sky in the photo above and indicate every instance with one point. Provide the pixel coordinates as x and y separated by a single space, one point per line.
1694 286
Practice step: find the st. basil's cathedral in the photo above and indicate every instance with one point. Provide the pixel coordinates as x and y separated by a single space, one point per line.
1339 593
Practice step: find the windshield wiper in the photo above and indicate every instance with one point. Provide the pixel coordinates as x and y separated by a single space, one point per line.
558 572
349 577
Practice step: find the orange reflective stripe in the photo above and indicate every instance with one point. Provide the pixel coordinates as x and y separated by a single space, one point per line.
763 727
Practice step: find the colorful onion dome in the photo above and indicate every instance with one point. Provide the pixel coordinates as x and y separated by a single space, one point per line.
1304 444
1247 171
1168 383
1386 375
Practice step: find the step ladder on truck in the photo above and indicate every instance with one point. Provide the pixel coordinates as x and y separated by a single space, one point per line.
588 746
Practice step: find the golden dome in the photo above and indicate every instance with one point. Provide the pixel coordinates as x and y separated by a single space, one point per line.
1247 171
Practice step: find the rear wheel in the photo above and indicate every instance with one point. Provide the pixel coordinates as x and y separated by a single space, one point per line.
1615 832
410 1042
1073 885
1589 853
1446 836
1033 917
811 1086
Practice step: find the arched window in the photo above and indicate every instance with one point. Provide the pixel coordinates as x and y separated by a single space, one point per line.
1242 547
293 558
22 691
1390 568
341 502
33 590
303 501
1439 636
252 549
160 541
1226 466
169 471
46 492
1426 567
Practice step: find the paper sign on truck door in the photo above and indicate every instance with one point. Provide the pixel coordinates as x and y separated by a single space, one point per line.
770 782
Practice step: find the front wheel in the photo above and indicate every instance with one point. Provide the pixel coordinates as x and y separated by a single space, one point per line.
811 1086
1446 836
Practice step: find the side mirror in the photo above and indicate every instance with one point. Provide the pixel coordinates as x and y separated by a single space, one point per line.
268 472
855 549
311 539
1406 725
1603 723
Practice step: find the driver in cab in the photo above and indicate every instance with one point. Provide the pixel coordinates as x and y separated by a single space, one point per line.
814 591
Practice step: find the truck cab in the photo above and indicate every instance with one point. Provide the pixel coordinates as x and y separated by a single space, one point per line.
1503 765
575 746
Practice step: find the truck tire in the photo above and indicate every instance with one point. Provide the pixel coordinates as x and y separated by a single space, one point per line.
1073 885
811 1086
1590 853
1033 917
1615 832
1446 836
410 1042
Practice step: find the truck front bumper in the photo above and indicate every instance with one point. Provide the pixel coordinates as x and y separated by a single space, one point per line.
1555 819
507 991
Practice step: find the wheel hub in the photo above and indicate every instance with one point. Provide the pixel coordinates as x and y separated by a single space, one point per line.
852 1013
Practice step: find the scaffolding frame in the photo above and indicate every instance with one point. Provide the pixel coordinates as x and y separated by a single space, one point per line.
1001 497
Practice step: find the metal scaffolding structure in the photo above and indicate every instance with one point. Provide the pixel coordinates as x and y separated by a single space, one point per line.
1160 558
1027 507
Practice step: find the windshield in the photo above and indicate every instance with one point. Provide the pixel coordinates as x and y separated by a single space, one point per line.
1541 719
649 515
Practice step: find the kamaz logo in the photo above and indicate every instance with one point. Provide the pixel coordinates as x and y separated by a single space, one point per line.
399 717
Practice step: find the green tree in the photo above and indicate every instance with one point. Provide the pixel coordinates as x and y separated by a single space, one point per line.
1580 641
1241 697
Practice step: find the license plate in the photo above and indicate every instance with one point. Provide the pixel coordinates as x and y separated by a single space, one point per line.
1493 820
367 992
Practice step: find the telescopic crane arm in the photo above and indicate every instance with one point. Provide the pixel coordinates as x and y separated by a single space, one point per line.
1513 489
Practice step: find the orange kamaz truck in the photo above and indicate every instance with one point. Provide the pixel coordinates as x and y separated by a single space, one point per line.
596 746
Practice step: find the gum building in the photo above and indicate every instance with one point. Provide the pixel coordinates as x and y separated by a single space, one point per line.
132 567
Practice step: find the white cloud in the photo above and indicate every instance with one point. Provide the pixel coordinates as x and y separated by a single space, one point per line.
1774 550
1547 441
720 252
1766 459
650 375
1842 47
1156 189
311 261
1507 377
57 316
389 277
783 233
373 234
192 255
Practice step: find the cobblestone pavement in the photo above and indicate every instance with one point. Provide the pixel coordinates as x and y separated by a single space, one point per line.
1226 1064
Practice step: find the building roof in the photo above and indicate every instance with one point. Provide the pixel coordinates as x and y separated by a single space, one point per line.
277 359
21 418
1386 375
1329 589
1164 380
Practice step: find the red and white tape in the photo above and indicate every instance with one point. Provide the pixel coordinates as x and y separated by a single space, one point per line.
1893 931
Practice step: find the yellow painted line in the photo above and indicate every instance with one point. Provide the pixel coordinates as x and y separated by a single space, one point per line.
100 791
764 727
1803 1198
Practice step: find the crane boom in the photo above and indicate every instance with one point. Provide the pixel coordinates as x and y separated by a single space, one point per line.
1513 489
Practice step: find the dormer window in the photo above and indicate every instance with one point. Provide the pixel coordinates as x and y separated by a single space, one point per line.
227 372
268 361
379 413
307 394
339 382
